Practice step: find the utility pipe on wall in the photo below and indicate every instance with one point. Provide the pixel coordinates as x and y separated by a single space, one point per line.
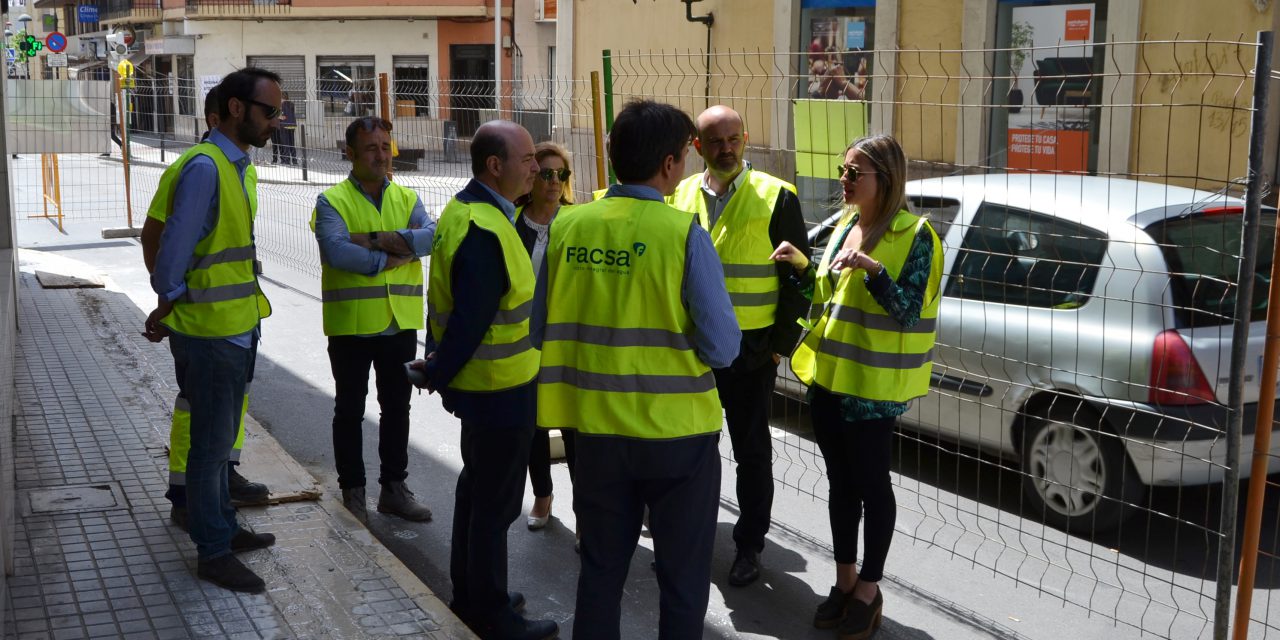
708 20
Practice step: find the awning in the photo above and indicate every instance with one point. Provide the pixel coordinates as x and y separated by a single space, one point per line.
74 71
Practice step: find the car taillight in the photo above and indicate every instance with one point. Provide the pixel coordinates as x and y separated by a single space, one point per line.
1222 211
1176 377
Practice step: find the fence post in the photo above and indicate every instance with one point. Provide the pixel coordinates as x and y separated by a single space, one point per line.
302 145
384 97
608 99
598 128
1270 359
1240 334
122 99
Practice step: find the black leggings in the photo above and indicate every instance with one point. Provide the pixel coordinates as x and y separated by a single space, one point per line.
540 459
857 455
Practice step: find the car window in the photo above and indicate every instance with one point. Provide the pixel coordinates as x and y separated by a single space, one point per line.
1011 256
1203 254
941 212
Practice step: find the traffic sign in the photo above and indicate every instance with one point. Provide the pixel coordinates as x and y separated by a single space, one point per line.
56 42
56 60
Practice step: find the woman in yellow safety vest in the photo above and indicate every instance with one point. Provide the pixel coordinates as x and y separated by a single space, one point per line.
551 190
867 356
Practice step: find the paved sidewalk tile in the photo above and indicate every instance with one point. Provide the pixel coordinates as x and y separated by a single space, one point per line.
87 417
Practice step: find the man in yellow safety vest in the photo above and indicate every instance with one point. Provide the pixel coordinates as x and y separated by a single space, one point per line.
748 213
372 234
632 316
480 358
209 301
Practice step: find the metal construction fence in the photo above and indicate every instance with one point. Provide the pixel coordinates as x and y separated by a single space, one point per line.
1100 359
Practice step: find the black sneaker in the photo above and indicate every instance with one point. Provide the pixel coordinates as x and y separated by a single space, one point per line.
231 574
833 609
246 540
244 491
745 569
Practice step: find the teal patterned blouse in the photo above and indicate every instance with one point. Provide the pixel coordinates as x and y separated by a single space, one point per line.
902 299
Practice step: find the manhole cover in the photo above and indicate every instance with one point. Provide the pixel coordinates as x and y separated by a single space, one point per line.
73 499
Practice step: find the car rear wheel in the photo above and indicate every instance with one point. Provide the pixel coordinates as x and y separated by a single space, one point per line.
1076 473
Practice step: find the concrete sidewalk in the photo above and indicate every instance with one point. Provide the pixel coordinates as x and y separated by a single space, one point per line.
95 554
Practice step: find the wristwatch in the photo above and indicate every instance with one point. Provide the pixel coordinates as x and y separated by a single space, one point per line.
373 239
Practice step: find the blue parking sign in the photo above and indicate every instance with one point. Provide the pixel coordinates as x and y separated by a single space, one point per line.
87 13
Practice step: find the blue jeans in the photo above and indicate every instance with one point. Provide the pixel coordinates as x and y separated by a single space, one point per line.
212 374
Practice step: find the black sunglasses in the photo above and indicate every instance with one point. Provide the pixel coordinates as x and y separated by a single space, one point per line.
272 112
547 174
853 172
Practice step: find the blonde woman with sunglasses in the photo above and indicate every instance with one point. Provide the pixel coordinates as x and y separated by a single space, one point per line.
551 190
868 355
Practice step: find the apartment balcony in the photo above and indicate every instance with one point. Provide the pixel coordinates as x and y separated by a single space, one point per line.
238 9
129 11
326 9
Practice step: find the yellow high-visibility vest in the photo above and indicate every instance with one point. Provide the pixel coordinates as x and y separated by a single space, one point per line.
162 200
505 358
741 239
355 304
223 298
856 348
617 355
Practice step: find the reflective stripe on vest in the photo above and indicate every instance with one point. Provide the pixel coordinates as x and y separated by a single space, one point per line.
617 353
741 238
505 357
223 298
355 304
856 349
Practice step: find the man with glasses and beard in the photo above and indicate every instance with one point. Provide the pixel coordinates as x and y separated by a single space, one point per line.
748 213
210 304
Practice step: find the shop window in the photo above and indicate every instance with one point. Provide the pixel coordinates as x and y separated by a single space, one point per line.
1049 83
346 85
412 78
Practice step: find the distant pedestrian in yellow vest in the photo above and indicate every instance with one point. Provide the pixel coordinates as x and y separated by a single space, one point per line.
372 234
869 355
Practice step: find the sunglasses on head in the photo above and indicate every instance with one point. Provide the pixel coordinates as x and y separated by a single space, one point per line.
272 112
852 171
562 174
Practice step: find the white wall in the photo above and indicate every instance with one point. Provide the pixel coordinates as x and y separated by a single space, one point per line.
222 46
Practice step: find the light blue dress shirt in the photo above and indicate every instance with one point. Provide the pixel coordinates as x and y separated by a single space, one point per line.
195 214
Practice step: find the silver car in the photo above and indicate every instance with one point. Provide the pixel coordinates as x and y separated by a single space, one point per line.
1084 333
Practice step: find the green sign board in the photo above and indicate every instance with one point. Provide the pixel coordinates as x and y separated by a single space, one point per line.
824 129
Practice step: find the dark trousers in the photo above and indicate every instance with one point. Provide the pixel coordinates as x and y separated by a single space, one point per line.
486 502
679 480
540 459
857 455
745 396
212 374
350 357
282 146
